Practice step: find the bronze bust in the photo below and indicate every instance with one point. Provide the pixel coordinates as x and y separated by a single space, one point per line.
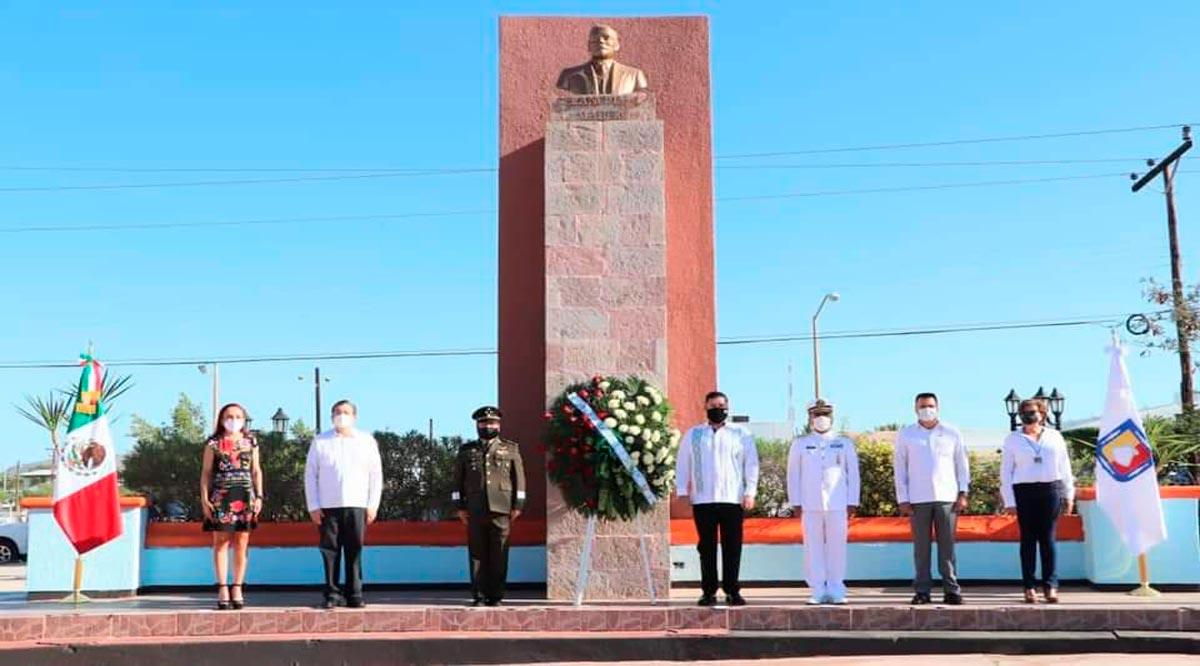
602 75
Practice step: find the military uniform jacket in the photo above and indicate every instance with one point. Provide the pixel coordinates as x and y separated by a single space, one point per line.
823 473
489 477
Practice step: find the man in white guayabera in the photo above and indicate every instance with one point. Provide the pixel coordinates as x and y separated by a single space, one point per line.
343 482
932 480
717 470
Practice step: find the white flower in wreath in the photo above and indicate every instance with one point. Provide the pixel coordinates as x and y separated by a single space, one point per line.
604 385
647 458
650 468
610 422
621 414
669 460
634 430
662 455
622 428
614 404
656 417
656 398
643 400
618 394
630 406
629 440
639 419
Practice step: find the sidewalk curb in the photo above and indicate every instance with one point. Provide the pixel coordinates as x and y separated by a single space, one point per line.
546 648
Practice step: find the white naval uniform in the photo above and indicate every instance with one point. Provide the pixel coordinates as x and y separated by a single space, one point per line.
823 480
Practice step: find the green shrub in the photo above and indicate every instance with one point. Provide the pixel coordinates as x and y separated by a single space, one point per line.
878 493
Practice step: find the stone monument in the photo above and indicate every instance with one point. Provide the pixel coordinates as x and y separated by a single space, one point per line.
606 245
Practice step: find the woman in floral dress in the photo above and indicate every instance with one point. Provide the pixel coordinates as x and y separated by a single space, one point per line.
231 495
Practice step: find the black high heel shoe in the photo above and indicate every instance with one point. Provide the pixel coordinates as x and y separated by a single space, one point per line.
222 604
238 604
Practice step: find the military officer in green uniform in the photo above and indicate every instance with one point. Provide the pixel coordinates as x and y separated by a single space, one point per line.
489 493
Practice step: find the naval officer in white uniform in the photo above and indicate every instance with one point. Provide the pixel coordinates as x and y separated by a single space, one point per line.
823 486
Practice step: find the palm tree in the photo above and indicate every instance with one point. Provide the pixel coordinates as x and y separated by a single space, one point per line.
53 412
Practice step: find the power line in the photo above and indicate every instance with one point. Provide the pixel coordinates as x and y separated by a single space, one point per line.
894 165
492 211
427 353
393 171
251 222
955 142
250 181
430 171
918 188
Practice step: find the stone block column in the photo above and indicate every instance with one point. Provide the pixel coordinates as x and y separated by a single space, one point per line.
606 305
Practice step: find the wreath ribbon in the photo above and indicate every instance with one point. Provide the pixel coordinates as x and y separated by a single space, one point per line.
614 443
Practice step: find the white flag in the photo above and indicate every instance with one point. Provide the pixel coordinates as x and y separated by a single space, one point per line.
1126 478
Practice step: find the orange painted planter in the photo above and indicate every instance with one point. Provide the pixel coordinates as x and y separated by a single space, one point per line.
391 533
1165 492
791 530
48 503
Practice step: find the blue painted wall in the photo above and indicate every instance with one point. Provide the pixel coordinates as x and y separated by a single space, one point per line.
111 567
881 561
1177 560
125 565
302 566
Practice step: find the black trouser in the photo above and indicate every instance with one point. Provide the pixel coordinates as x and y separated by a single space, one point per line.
1038 506
342 532
728 518
487 545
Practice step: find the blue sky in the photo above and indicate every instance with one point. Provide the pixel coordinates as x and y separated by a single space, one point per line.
391 85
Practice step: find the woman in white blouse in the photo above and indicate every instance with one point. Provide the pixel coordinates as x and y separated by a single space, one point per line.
1035 482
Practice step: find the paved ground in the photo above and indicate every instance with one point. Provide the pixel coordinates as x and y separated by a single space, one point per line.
942 660
12 600
12 577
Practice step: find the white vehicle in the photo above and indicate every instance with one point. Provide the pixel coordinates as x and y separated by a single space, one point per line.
14 539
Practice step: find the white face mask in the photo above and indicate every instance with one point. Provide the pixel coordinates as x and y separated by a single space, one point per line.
927 414
233 426
343 421
822 423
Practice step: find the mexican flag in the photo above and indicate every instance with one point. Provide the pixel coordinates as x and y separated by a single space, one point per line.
86 501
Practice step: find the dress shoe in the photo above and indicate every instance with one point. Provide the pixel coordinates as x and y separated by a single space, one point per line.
330 603
920 599
355 602
952 599
735 599
707 600
491 602
815 600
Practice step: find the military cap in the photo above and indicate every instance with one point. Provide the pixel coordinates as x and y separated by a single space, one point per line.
819 406
487 412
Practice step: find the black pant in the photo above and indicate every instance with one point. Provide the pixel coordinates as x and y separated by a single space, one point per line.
1038 506
727 517
342 532
487 545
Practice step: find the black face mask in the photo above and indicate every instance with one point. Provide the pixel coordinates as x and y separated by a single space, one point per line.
488 432
717 414
1030 418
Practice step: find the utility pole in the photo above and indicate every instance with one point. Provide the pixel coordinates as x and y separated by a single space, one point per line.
317 394
1178 303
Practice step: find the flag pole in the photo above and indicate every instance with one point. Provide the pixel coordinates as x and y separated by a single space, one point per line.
1144 589
76 597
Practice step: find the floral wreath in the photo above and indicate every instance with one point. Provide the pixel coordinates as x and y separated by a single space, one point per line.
592 476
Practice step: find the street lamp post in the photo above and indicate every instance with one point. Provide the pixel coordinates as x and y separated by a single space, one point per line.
1012 402
279 422
831 296
216 388
1056 402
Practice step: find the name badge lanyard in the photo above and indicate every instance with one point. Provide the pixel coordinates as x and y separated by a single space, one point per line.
1037 450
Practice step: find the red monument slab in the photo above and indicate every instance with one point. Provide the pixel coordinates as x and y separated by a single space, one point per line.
673 53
